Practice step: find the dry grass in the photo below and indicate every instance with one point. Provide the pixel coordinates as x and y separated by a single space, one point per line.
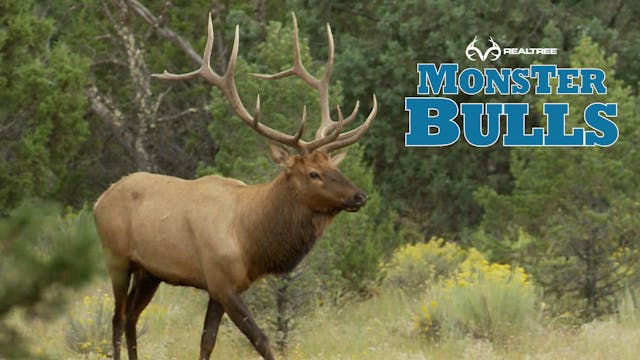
380 328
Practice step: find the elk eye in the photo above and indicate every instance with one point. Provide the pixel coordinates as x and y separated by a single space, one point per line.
315 175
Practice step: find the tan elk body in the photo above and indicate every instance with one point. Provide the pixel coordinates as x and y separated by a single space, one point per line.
219 234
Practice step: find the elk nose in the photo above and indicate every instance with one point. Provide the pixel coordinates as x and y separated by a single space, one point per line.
360 197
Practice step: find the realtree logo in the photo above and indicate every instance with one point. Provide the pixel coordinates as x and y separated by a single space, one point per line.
472 50
496 51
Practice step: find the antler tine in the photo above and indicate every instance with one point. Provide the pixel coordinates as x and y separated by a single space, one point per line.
226 84
328 138
353 114
329 69
322 132
323 89
256 115
298 67
303 122
205 69
354 135
229 86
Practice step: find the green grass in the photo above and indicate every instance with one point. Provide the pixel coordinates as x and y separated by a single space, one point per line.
379 328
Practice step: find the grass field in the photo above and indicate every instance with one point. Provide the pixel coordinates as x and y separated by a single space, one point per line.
382 327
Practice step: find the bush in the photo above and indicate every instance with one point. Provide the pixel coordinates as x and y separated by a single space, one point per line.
347 257
281 300
413 267
89 328
482 299
43 250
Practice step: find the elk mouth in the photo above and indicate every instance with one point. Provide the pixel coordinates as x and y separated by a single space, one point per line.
356 202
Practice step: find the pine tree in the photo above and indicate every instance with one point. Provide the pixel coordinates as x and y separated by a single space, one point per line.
570 217
42 252
42 123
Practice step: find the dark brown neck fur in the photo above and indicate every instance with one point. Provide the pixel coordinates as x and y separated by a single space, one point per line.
282 231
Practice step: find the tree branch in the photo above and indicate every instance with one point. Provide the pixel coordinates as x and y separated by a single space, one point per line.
6 127
159 100
183 113
164 32
101 106
109 62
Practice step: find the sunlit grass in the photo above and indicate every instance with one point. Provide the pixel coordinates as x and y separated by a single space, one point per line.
382 327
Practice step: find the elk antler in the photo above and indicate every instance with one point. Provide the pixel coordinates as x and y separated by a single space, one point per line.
328 136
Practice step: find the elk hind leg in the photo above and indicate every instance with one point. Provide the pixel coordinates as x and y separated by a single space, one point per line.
144 287
120 274
210 330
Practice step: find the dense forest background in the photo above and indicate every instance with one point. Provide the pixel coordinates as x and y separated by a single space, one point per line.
79 110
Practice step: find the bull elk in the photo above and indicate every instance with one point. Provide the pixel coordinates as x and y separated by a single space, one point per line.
220 234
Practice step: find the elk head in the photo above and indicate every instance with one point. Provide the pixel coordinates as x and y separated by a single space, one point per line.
317 182
312 173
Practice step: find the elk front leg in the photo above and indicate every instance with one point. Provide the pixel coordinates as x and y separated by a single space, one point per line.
210 330
241 316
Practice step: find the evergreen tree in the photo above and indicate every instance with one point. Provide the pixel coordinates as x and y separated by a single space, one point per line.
41 254
379 44
570 217
42 125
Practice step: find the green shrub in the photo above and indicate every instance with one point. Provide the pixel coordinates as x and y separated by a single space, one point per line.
413 267
43 251
346 258
482 299
280 301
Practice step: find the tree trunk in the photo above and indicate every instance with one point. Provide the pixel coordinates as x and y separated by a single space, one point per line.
283 317
591 278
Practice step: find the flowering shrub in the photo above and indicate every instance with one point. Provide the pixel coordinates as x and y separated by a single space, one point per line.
413 267
89 328
483 299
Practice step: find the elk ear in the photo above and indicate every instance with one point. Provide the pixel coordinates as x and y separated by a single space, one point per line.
279 154
337 158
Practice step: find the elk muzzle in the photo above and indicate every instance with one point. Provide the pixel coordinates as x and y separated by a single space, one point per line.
358 200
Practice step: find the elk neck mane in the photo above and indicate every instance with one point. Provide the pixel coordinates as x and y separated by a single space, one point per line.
280 230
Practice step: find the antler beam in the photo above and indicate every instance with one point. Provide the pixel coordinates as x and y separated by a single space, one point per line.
328 136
